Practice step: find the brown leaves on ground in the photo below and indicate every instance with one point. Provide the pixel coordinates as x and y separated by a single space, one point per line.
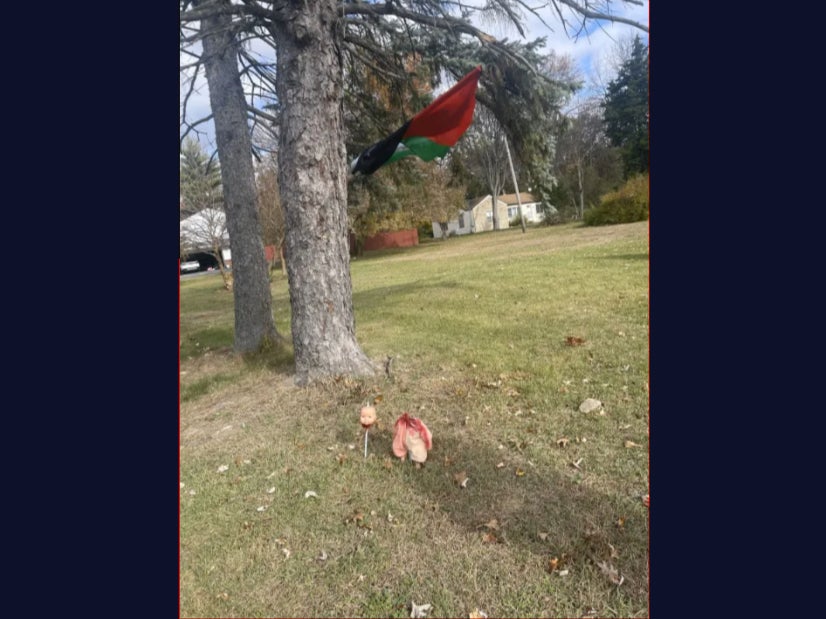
630 444
562 442
490 536
357 518
574 341
461 479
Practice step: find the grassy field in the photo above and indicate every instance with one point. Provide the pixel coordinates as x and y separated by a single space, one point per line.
496 339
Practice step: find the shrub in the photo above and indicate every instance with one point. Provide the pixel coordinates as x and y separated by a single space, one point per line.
627 204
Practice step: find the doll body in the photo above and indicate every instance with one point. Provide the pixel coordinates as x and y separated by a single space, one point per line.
411 437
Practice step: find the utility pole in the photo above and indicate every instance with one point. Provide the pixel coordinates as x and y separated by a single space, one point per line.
515 185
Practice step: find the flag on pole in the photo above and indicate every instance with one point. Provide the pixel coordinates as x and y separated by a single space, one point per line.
430 133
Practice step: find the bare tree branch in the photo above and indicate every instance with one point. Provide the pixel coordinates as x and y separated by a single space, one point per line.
589 13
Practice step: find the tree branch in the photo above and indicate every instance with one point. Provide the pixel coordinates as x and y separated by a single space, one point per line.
586 12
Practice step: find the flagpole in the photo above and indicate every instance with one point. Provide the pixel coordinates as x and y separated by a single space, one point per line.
515 186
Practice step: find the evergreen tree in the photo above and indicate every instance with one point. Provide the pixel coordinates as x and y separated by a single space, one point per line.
200 180
626 110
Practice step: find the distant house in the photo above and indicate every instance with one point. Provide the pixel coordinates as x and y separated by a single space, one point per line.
531 208
201 232
477 216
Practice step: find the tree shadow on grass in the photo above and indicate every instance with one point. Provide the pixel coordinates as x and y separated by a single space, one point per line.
639 256
418 289
580 526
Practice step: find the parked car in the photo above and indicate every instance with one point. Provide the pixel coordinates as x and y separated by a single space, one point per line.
188 267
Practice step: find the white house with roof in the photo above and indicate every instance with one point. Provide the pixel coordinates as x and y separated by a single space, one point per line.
531 207
204 232
477 216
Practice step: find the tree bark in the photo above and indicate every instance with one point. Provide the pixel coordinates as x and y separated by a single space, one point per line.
313 181
254 324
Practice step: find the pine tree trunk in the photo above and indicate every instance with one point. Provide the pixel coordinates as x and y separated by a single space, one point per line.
313 181
254 325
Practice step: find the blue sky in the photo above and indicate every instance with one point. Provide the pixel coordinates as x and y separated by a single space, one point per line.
591 51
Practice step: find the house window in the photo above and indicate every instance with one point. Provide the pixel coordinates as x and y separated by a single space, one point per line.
489 215
462 220
512 210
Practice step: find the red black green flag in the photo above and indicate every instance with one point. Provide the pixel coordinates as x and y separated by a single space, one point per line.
430 133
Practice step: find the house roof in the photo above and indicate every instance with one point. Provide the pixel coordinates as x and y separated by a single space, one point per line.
474 202
524 196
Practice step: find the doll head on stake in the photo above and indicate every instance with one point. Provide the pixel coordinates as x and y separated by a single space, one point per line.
367 416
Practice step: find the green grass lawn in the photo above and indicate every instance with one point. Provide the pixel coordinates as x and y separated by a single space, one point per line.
551 517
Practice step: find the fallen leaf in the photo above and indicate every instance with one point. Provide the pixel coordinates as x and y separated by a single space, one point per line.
563 572
492 524
614 553
447 461
520 473
553 564
461 479
574 341
223 596
192 492
322 556
271 490
543 537
351 446
223 468
419 611
489 538
280 541
477 614
389 517
387 463
646 501
620 522
261 508
611 573
182 484
378 399
341 458
286 552
310 493
562 442
630 444
576 464
501 465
